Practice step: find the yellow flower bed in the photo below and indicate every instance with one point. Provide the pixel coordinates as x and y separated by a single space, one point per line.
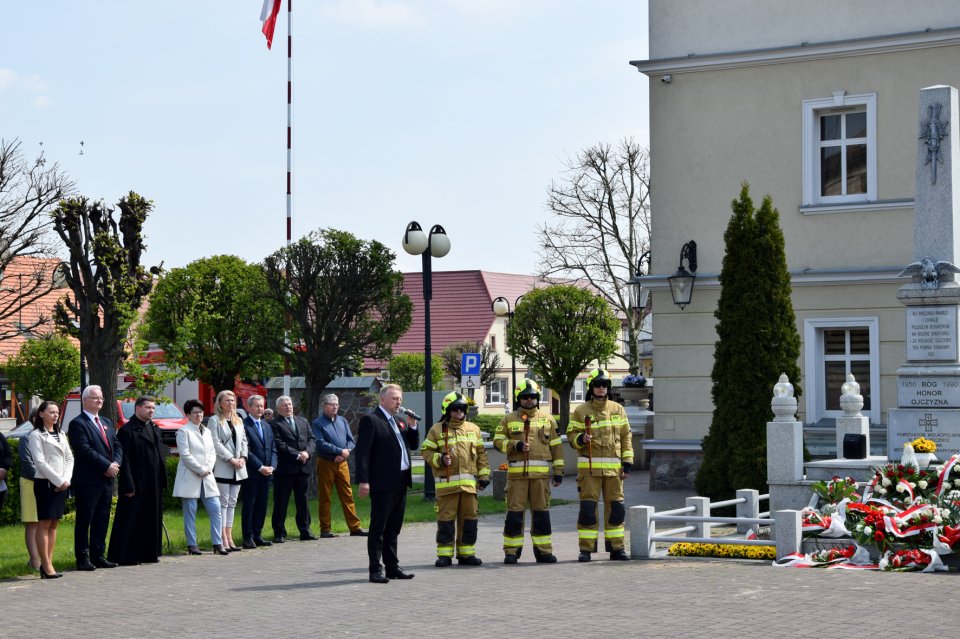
728 551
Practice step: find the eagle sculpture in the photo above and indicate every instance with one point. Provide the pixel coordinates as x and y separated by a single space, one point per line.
929 271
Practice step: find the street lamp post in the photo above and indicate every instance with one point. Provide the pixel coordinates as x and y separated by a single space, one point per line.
437 244
501 308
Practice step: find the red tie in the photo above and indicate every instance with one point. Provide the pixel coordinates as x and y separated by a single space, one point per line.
103 433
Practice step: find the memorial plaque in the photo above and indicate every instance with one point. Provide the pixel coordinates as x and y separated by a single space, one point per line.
934 392
932 333
941 426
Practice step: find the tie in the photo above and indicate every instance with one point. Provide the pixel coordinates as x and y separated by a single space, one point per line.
399 436
103 433
293 425
259 429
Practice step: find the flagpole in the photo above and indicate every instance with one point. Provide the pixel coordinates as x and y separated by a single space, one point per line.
286 364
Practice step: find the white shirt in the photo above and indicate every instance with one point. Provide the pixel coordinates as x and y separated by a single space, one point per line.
404 455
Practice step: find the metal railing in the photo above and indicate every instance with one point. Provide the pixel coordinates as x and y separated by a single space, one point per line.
697 514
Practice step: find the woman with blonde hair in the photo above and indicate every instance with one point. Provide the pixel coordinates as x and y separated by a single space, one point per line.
230 442
53 461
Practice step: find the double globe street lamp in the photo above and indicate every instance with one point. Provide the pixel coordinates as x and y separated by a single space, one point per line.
437 244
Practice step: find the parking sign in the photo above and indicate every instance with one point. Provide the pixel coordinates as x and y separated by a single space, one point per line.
469 364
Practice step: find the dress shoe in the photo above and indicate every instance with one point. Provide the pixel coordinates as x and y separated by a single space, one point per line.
472 560
249 545
359 533
219 550
279 539
546 558
193 550
102 562
260 541
442 562
86 566
584 557
233 548
326 534
397 573
308 536
619 555
378 578
52 575
510 559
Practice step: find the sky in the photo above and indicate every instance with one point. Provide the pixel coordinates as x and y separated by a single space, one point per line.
451 112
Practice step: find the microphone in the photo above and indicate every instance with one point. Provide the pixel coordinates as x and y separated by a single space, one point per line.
410 413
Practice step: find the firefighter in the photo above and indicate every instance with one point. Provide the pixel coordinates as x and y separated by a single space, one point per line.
530 439
454 449
600 433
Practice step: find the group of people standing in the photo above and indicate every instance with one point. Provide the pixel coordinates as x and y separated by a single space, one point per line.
229 454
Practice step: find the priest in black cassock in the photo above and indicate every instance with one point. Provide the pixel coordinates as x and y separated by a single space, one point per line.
137 526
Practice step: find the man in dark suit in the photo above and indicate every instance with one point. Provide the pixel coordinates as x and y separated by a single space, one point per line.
296 450
97 458
384 473
261 462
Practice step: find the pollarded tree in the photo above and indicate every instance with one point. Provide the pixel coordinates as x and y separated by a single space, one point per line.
344 300
29 190
602 228
758 340
107 280
558 331
48 367
407 369
214 321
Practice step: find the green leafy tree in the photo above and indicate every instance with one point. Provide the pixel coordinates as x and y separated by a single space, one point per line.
489 361
558 331
344 300
215 322
107 280
758 341
407 369
48 367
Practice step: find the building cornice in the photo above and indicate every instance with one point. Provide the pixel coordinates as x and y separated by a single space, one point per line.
802 277
803 52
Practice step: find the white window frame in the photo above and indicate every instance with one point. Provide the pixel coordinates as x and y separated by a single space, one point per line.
812 109
813 364
504 392
578 392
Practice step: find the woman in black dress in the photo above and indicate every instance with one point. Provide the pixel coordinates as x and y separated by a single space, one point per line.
53 461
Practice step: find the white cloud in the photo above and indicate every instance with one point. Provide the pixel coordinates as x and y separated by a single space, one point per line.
375 14
7 78
42 101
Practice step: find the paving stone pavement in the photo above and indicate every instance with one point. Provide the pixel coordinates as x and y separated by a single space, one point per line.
320 589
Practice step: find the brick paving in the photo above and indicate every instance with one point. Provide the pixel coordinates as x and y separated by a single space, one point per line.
320 589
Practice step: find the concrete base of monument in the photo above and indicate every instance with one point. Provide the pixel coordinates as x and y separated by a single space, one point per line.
914 294
942 425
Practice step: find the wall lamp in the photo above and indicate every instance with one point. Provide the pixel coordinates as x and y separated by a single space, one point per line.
681 282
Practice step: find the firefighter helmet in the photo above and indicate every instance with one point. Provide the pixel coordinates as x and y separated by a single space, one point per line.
598 377
453 401
527 388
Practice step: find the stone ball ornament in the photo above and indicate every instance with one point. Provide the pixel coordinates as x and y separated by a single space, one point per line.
784 404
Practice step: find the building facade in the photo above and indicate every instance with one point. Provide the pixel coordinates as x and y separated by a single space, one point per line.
815 104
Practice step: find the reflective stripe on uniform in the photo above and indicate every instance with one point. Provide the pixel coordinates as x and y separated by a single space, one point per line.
532 470
556 442
466 551
540 540
531 463
583 533
513 542
598 462
456 480
558 463
429 443
444 551
613 533
484 472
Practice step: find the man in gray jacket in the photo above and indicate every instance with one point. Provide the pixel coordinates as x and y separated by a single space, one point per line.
334 444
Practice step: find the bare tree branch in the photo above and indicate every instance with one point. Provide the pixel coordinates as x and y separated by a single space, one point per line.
602 227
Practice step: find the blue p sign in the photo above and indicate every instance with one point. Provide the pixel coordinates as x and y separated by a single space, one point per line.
470 364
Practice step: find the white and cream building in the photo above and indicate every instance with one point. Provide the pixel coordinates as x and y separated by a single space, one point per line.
816 104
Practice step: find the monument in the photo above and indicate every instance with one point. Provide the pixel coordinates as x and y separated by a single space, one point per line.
928 385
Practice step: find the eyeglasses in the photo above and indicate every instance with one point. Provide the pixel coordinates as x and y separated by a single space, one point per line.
196 412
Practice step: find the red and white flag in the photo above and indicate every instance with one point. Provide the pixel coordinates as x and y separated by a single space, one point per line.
268 16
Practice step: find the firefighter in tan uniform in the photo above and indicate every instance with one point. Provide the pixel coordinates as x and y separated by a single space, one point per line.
530 439
454 449
600 433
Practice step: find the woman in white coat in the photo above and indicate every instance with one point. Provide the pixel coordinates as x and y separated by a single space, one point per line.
195 478
230 441
53 461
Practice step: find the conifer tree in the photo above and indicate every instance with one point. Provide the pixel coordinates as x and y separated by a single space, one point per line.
758 340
